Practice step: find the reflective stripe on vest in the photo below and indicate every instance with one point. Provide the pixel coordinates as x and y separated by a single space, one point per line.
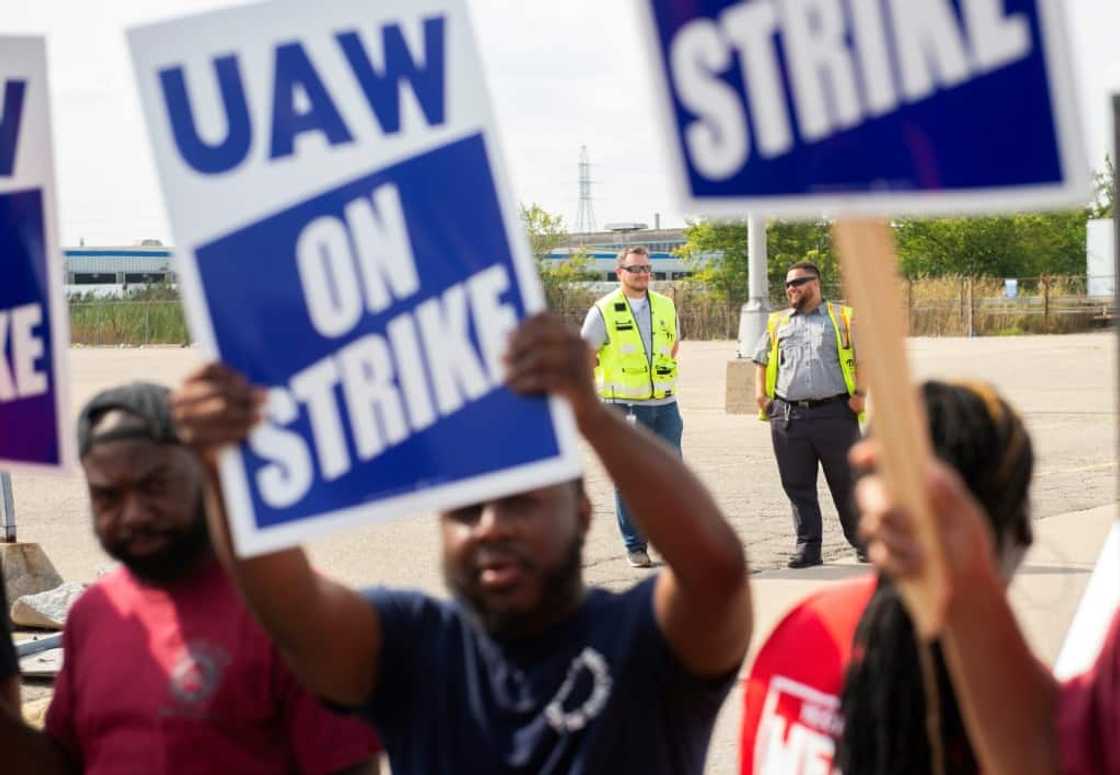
624 366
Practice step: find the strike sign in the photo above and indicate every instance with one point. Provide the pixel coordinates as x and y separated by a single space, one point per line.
344 237
867 106
34 432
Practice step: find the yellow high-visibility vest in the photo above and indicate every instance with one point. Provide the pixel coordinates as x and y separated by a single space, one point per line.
845 348
624 371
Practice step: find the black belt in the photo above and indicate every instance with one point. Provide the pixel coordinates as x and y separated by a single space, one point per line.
811 403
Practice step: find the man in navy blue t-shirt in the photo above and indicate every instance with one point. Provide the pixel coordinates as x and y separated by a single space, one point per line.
527 670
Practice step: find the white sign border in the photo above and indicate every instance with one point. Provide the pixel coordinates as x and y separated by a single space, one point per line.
1074 192
1094 612
57 310
250 538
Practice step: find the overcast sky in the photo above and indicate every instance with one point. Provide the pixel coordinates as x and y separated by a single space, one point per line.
563 73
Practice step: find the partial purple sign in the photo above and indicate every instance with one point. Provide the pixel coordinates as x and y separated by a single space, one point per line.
33 333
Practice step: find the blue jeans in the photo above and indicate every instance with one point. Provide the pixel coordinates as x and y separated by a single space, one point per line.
666 422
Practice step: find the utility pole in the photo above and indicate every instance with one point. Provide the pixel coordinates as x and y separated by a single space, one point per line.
753 314
741 372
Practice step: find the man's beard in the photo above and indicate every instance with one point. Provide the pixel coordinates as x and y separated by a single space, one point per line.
180 555
560 587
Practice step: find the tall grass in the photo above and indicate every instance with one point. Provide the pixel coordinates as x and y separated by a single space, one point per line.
109 322
963 306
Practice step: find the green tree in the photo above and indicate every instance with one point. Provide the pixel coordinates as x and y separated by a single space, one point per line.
717 252
575 268
546 231
788 242
1024 245
1104 190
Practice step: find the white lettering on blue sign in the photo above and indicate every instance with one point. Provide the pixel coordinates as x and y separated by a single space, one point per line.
837 56
387 385
343 232
350 267
11 118
19 376
302 103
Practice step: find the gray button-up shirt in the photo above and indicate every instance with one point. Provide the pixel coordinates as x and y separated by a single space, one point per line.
809 368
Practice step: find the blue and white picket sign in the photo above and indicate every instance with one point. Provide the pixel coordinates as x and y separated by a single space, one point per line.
798 107
35 427
345 237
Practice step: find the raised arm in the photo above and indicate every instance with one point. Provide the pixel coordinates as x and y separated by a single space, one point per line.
1006 695
702 600
328 633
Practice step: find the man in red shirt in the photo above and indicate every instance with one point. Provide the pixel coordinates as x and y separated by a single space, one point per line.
166 671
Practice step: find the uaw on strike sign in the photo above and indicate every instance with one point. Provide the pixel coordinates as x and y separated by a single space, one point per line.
867 106
875 107
33 331
344 238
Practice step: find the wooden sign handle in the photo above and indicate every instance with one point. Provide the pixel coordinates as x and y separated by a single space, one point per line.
870 267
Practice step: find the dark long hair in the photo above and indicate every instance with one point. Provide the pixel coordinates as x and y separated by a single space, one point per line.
883 702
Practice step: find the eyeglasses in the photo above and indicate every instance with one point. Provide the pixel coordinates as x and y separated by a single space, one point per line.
797 282
637 269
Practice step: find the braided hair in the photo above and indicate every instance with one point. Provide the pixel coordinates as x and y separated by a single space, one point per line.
883 705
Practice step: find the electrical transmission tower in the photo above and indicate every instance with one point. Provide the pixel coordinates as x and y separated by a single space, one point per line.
585 216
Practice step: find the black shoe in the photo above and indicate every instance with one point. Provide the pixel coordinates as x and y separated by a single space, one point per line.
861 556
804 561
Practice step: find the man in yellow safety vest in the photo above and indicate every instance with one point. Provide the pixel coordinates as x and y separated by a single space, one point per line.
807 388
635 333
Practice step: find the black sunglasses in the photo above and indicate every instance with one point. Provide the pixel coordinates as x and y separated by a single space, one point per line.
797 282
637 269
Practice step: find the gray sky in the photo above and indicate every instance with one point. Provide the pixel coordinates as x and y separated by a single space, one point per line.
562 73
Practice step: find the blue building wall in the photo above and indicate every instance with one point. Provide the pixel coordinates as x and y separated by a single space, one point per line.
113 265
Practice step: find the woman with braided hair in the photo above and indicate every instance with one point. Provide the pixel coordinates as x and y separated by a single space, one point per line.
839 680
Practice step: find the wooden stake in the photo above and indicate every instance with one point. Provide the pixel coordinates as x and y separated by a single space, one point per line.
870 269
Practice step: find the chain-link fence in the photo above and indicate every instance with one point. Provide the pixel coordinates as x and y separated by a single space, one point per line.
936 306
940 306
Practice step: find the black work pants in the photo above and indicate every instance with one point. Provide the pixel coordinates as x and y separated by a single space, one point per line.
803 439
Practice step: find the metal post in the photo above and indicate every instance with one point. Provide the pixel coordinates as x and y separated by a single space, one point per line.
909 307
753 314
971 309
1046 304
964 329
7 509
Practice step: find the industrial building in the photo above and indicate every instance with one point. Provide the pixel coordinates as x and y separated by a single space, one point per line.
122 266
603 246
152 263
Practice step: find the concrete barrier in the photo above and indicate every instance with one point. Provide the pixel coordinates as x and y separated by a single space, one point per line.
739 387
27 571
